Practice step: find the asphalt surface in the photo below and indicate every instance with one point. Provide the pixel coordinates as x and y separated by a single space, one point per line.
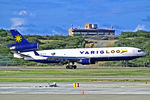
66 91
74 97
67 88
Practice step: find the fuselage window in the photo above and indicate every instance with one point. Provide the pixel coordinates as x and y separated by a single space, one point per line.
139 50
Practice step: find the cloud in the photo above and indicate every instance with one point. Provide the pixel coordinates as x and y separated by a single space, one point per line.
17 22
22 12
20 20
139 27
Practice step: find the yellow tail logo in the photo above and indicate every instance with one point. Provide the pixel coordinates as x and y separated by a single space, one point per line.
18 38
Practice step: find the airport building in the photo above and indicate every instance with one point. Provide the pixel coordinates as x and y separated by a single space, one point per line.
91 29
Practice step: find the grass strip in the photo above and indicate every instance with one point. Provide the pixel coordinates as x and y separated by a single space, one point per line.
78 73
87 67
69 80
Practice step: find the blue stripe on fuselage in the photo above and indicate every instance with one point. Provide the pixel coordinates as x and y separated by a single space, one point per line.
92 58
46 61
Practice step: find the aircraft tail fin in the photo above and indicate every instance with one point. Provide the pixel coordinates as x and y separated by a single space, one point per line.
21 43
18 37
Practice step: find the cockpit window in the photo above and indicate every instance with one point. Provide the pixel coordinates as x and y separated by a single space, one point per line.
139 50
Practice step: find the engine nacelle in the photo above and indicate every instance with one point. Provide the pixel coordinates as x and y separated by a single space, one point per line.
86 61
24 47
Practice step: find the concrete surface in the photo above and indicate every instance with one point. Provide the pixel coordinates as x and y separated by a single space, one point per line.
74 97
67 88
66 91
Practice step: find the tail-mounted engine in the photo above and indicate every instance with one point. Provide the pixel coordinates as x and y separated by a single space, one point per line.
23 47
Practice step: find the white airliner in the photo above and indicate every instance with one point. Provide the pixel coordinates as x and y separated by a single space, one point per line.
28 51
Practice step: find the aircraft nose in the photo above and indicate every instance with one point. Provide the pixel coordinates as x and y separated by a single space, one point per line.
144 53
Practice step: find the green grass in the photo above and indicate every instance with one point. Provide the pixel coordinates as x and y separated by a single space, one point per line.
78 73
61 74
68 80
87 67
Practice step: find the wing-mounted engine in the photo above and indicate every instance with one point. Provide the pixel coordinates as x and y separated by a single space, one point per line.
86 61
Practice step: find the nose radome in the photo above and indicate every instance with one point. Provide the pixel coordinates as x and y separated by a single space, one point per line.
144 53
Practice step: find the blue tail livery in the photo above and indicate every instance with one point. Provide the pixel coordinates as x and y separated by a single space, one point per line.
21 43
28 51
18 37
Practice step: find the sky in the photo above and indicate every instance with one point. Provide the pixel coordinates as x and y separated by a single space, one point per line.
55 17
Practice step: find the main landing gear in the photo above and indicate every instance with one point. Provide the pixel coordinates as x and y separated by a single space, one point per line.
71 66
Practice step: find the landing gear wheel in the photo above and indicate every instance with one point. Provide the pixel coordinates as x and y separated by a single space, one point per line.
69 67
74 66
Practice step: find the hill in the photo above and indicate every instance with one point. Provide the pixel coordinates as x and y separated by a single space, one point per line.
45 42
139 39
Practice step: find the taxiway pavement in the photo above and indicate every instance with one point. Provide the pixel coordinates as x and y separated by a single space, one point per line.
74 97
67 88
